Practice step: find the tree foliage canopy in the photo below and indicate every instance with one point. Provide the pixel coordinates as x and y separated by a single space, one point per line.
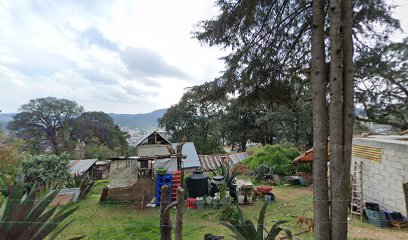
63 125
43 119
382 84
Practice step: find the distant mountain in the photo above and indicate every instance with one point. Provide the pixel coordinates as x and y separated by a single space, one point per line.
142 121
5 118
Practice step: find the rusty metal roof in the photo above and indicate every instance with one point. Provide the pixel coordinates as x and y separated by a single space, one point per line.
81 166
212 162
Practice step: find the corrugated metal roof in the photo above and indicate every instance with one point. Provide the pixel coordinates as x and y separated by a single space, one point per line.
81 166
190 151
212 162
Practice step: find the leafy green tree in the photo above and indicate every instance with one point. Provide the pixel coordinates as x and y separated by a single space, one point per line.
46 170
195 118
43 120
98 128
238 123
272 40
382 84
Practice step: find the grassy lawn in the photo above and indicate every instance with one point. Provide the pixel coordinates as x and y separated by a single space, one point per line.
126 221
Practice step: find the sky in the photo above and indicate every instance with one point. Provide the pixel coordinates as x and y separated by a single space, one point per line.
120 56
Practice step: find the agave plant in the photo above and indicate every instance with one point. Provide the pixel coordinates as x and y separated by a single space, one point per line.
244 228
229 172
24 217
85 183
264 170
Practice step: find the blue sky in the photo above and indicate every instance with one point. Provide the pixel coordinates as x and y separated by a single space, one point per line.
120 56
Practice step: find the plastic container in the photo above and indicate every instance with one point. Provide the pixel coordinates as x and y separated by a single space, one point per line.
241 199
377 218
372 206
200 203
209 200
197 184
216 202
191 203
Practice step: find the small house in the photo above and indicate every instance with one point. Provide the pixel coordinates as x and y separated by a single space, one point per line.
383 160
384 170
130 179
156 144
83 166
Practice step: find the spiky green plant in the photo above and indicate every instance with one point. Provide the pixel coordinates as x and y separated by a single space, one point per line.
229 172
24 217
244 229
84 182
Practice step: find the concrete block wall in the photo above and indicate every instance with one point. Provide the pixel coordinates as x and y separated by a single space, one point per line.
382 181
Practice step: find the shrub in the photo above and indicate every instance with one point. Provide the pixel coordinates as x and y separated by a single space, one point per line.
228 210
100 152
275 156
46 170
9 164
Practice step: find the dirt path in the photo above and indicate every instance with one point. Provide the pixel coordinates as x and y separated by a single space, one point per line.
377 233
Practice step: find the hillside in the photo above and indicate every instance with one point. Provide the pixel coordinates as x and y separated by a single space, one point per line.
142 121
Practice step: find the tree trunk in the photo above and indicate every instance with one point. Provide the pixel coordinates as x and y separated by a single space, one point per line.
54 141
318 74
165 222
337 166
179 214
405 187
348 110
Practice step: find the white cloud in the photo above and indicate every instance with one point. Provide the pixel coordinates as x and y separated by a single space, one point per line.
116 56
123 56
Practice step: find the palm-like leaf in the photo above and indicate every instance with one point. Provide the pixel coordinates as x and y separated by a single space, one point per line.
23 217
244 228
276 229
261 222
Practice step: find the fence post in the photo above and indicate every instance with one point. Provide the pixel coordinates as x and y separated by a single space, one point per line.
179 214
165 222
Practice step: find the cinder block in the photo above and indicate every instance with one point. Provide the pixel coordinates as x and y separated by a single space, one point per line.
389 152
397 165
402 154
390 169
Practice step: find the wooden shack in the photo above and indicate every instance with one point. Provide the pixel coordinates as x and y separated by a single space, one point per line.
131 179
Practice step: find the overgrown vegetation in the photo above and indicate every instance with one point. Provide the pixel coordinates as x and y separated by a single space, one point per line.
276 157
9 166
228 210
46 170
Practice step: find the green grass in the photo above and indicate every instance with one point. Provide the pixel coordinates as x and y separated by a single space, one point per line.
125 221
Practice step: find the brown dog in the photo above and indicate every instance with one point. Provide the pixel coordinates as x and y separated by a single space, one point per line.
308 221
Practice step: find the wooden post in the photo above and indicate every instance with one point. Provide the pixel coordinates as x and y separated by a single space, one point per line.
405 186
179 214
165 222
